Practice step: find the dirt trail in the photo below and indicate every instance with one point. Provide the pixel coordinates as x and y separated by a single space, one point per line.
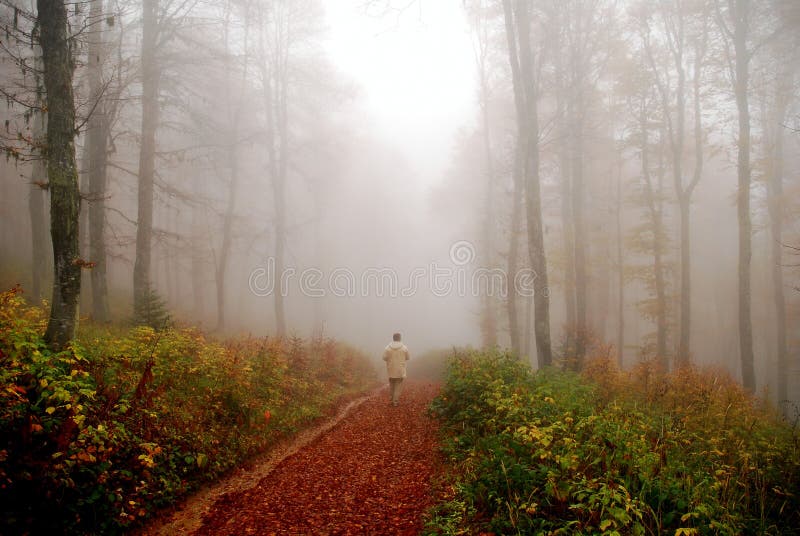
367 471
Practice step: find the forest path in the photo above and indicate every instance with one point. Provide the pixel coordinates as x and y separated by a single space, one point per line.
367 471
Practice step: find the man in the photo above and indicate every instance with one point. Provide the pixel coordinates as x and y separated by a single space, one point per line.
395 355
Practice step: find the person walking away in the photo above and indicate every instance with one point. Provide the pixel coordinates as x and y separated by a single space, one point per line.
395 355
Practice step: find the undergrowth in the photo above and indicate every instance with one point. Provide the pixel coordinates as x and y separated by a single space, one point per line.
94 439
610 452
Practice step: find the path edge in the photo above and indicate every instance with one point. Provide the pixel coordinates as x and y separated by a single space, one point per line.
187 516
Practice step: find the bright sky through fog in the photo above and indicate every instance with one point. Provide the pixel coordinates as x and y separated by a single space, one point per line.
415 71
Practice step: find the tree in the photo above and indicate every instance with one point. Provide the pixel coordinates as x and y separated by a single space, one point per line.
582 32
526 97
274 43
482 47
776 104
98 129
774 138
669 76
563 90
734 20
36 207
653 197
62 171
579 58
150 73
234 111
620 266
288 31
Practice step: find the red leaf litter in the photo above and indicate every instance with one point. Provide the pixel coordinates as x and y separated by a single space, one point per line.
370 474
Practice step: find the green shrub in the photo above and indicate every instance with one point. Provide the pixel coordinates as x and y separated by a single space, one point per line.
605 452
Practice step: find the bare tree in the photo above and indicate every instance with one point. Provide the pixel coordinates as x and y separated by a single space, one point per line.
581 31
518 26
274 46
679 28
776 103
235 107
482 47
734 19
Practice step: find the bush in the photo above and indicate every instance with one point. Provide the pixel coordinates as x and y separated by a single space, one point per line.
609 452
95 438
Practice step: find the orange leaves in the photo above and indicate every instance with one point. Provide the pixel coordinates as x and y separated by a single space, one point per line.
369 474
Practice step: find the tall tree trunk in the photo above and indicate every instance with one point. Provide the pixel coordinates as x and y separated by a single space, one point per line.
677 139
96 142
620 273
564 174
279 189
150 83
36 203
775 208
576 111
520 163
576 166
171 256
83 235
675 119
513 254
530 326
685 203
62 172
683 354
275 86
488 320
233 164
657 209
530 119
318 327
601 281
227 227
36 207
199 256
652 198
741 19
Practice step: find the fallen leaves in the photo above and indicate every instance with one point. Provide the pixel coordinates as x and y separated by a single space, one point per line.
368 475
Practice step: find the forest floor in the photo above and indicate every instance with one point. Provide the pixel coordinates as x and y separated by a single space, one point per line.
367 470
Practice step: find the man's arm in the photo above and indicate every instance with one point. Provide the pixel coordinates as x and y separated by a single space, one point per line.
408 356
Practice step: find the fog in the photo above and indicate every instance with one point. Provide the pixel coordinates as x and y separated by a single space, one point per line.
355 168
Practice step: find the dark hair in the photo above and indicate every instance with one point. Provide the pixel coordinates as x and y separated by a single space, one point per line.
396 337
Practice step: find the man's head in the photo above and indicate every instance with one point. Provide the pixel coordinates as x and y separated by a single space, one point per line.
396 337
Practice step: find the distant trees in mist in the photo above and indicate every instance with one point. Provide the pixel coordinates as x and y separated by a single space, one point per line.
611 137
627 109
178 106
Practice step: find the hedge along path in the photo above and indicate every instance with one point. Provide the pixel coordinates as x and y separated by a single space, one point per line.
370 472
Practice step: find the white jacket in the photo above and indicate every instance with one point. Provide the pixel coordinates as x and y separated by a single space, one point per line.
396 355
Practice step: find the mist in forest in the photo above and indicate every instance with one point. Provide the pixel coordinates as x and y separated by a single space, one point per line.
566 179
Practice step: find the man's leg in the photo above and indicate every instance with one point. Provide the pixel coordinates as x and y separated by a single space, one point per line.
398 388
395 384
